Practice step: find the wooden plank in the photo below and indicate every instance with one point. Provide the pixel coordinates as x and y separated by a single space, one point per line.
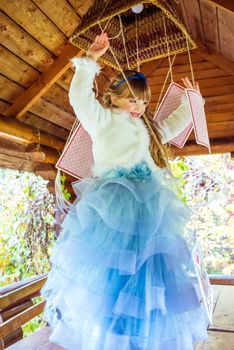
217 100
23 45
226 65
220 108
81 6
217 341
38 123
12 338
39 340
194 17
219 117
66 79
15 69
28 16
24 164
210 24
149 68
41 85
226 5
15 310
192 148
227 280
12 162
21 293
20 319
183 68
226 30
3 107
59 97
52 113
206 92
9 90
205 74
16 285
34 154
45 125
203 83
60 13
7 147
16 128
223 315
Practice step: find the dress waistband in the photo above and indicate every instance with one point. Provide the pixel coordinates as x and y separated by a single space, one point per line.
140 171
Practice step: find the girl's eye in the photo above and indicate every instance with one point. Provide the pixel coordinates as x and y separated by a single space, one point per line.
132 101
145 103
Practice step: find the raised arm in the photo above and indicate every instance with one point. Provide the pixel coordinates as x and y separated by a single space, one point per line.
82 98
172 126
177 121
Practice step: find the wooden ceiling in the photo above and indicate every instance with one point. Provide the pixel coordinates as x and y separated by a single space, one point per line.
35 75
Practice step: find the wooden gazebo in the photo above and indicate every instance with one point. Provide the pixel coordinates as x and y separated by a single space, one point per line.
36 117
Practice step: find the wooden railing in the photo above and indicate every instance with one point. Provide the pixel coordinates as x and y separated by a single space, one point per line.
17 307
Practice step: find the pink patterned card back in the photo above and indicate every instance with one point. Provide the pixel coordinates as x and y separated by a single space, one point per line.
172 100
196 103
77 156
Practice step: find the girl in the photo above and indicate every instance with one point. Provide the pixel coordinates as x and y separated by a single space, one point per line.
122 276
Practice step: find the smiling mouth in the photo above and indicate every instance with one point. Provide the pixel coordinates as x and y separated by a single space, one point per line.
135 114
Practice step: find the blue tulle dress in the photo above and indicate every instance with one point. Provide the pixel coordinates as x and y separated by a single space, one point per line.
122 276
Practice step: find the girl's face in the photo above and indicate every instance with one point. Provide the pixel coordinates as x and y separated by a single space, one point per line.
134 106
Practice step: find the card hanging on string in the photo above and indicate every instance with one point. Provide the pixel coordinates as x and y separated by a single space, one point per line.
172 100
77 158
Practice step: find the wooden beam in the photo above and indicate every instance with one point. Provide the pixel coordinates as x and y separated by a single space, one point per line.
28 98
217 146
226 5
219 60
14 127
224 280
50 155
31 152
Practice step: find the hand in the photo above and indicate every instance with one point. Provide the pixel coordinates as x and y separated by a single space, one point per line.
187 83
99 47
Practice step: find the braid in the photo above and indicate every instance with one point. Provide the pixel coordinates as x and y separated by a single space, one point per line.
159 152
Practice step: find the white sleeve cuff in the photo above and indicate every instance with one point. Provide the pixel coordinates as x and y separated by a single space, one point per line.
87 63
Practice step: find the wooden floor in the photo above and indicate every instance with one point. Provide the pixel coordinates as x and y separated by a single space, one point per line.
221 333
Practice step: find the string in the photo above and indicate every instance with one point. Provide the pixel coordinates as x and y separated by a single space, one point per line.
173 10
137 47
162 90
190 60
124 41
120 68
168 51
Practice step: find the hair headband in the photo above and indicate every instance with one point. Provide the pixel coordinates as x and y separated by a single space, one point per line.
136 75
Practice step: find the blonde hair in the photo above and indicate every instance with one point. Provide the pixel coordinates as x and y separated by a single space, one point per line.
159 152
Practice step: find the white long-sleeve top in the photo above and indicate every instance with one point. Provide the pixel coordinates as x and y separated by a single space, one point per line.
119 140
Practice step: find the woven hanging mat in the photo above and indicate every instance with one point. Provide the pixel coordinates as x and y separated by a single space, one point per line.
152 41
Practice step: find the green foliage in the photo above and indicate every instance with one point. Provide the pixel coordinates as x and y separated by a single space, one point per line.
66 194
178 168
26 229
207 187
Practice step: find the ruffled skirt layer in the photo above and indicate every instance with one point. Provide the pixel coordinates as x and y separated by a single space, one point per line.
122 275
